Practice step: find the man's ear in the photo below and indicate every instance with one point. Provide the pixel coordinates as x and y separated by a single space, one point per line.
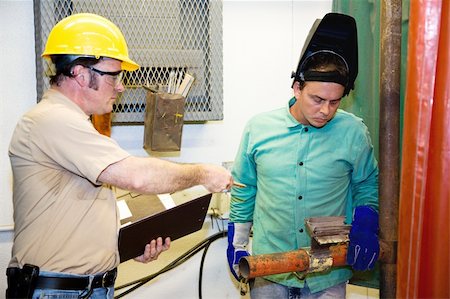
79 74
296 87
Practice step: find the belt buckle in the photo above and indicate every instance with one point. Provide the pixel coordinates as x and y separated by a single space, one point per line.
106 276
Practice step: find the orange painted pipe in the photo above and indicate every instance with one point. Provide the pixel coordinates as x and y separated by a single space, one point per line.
102 123
422 272
434 275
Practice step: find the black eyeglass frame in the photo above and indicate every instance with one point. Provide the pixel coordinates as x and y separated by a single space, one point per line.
103 72
115 75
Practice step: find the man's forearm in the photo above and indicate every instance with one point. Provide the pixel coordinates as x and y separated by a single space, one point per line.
151 175
156 176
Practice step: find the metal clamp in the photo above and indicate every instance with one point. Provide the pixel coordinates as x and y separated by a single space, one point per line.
320 260
243 286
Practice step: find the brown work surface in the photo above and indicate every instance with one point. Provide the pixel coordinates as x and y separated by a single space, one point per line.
142 206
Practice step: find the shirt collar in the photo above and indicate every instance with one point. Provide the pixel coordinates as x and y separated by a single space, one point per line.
291 122
57 96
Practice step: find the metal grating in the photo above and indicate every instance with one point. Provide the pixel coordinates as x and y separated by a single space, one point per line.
162 36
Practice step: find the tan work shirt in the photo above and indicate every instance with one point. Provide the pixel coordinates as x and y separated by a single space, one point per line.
65 220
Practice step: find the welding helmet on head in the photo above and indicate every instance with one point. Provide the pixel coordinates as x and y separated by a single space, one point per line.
88 35
336 34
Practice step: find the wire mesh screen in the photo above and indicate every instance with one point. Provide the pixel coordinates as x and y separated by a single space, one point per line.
163 37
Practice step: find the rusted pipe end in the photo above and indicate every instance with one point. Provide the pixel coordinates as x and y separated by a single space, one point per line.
274 263
244 267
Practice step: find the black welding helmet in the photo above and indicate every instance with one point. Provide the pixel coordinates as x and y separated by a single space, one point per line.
336 34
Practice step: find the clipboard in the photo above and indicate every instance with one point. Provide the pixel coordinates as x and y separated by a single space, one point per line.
175 223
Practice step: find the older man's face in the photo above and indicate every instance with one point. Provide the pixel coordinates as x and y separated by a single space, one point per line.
103 89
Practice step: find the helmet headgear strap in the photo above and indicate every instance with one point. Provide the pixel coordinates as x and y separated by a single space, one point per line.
333 76
323 76
64 62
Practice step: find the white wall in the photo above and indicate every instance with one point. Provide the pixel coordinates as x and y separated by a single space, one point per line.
17 84
18 93
262 41
262 44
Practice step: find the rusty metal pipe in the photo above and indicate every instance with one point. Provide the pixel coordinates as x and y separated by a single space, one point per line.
300 260
292 261
389 178
275 263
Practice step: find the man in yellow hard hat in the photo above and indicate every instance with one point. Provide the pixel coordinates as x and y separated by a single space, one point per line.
65 214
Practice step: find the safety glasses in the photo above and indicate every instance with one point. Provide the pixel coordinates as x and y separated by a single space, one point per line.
116 76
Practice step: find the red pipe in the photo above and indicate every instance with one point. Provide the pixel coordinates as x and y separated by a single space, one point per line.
434 274
422 267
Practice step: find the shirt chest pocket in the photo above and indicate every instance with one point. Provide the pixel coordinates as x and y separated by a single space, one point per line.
275 165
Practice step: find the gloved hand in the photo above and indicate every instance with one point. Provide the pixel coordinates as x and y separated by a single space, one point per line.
238 237
364 248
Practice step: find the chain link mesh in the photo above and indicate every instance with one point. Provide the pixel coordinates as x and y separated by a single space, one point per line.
162 36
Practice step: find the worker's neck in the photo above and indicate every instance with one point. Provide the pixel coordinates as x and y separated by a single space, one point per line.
75 94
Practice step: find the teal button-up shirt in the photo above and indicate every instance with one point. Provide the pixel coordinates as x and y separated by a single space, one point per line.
293 172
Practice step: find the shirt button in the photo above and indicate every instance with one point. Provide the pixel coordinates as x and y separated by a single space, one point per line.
306 130
301 163
300 197
300 230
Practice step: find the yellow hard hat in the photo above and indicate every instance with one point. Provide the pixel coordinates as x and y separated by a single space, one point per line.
86 34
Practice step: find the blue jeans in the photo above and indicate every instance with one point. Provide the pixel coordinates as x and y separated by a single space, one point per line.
98 293
265 289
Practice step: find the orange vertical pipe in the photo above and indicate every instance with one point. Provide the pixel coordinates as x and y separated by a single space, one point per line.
434 259
102 123
424 26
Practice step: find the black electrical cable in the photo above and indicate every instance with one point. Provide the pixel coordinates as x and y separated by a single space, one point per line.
175 263
180 260
211 239
144 280
202 262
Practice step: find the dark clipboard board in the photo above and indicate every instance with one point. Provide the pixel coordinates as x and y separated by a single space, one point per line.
175 223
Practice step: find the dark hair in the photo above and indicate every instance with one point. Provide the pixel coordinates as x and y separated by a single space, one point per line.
325 62
65 63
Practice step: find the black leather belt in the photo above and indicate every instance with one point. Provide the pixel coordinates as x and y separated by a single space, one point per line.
104 280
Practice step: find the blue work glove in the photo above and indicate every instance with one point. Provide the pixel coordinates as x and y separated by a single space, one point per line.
238 238
363 248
